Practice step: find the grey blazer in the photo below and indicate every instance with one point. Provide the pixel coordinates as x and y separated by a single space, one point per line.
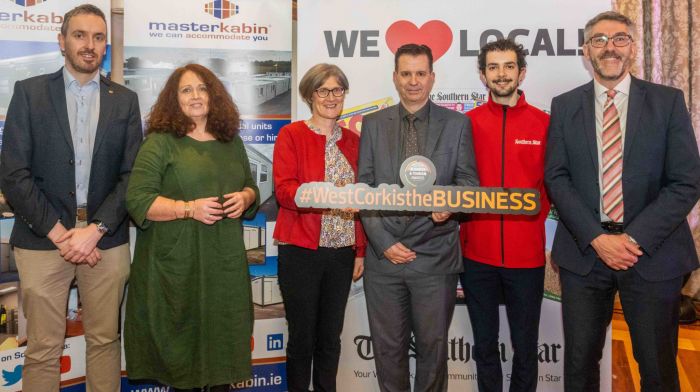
37 174
660 179
449 146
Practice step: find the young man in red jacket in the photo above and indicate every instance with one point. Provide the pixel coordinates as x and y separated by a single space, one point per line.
504 254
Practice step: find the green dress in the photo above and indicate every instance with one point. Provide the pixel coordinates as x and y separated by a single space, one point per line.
189 315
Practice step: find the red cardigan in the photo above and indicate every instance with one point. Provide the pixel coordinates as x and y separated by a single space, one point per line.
299 157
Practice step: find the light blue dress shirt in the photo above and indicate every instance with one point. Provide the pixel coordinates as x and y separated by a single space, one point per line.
83 104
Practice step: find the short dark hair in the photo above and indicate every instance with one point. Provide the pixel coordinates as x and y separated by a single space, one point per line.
607 15
413 50
223 119
502 45
82 9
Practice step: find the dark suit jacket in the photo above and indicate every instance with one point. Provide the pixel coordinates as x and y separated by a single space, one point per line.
660 179
449 146
37 173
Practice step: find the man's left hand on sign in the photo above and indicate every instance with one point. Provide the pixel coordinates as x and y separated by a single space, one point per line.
439 217
79 245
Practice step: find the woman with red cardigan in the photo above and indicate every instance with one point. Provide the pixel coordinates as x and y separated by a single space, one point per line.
320 251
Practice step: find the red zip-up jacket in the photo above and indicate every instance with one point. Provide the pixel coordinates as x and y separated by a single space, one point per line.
509 145
299 157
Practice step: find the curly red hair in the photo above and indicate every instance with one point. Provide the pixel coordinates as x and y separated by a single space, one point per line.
223 120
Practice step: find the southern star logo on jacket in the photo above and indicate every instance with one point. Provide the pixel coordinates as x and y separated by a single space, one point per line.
529 142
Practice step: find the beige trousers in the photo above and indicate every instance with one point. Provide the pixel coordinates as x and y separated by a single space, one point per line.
45 279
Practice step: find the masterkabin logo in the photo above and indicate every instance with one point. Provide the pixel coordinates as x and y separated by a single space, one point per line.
220 9
28 3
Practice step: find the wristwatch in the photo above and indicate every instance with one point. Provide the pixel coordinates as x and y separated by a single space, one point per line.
101 227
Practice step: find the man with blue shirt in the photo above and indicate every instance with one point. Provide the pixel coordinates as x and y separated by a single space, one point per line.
69 143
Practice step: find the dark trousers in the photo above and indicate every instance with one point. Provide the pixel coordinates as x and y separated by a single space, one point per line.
651 312
401 303
521 290
315 286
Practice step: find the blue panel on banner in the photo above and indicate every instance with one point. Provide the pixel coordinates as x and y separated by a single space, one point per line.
267 269
259 220
2 130
74 388
12 49
107 61
129 387
261 131
268 378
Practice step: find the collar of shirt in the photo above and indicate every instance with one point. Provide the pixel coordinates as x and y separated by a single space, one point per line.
421 115
74 86
622 88
331 139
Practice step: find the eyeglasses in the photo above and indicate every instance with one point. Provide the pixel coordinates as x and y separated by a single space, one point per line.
618 40
323 92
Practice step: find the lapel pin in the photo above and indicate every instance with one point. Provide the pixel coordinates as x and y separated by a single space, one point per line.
111 91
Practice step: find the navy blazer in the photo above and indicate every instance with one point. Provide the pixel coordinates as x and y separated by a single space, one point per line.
37 174
660 179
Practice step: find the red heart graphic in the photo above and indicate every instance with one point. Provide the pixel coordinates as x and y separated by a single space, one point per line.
435 34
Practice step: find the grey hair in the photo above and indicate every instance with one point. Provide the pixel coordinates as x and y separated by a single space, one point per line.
607 15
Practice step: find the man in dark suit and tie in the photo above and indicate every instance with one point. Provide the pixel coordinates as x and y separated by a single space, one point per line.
69 143
413 259
622 168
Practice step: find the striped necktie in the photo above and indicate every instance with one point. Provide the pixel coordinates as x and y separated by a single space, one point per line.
613 206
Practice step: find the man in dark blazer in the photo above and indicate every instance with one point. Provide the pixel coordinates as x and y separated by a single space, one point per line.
622 168
69 143
412 262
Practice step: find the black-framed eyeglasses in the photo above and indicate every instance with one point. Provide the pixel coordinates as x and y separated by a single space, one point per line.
618 40
323 92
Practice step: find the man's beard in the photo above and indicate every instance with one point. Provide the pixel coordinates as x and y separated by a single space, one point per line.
497 91
599 70
74 60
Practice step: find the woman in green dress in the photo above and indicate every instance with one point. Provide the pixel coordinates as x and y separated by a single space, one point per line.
189 317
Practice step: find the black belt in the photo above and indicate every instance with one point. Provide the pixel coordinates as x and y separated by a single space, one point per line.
613 227
81 214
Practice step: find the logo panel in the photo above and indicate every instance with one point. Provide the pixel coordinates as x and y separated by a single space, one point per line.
275 342
27 3
12 377
221 9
